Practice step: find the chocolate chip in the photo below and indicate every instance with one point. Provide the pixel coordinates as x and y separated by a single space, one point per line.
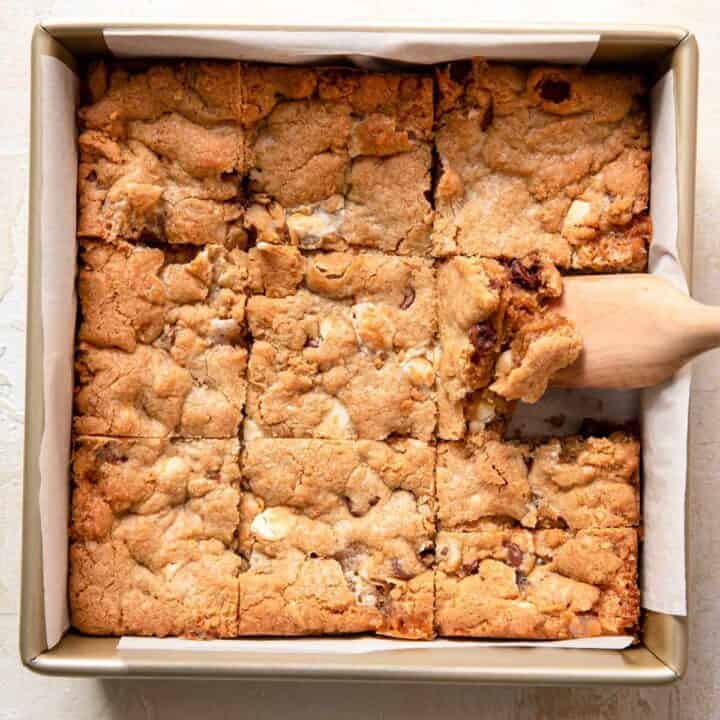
525 277
483 338
399 571
470 568
348 557
312 342
488 117
515 555
460 70
408 298
353 507
521 579
554 91
426 553
91 176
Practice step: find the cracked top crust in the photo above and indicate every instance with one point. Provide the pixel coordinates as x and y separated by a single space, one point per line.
338 537
162 340
346 166
498 338
573 482
548 159
350 354
154 527
162 153
543 584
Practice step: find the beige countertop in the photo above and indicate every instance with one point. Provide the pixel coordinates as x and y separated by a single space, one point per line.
24 695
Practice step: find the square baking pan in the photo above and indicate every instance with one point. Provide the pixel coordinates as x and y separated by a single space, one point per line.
661 656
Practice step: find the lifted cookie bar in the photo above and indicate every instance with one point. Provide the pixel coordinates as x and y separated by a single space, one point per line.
500 341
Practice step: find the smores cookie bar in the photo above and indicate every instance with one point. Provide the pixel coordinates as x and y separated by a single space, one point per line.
154 527
548 159
346 164
537 584
349 353
161 340
339 538
498 338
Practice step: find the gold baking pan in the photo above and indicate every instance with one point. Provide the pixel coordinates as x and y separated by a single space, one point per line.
662 655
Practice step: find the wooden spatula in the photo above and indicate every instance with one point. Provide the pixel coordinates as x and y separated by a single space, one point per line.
637 330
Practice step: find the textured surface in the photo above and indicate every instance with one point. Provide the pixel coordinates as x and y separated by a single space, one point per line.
339 537
498 338
575 186
571 483
505 582
345 164
350 353
153 534
162 348
30 696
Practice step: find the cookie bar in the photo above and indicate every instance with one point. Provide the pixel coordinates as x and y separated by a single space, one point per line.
154 527
537 584
548 159
350 353
572 483
162 154
346 165
161 340
338 536
497 334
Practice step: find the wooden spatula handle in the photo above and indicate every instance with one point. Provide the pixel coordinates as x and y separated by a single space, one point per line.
637 330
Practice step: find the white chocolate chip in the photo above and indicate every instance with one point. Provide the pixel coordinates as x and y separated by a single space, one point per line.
577 214
224 330
251 430
310 228
173 469
420 371
373 327
333 326
449 555
336 423
479 414
504 364
272 524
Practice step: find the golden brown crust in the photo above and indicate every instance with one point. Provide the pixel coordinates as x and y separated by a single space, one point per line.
543 584
347 166
338 537
154 526
162 340
228 210
498 338
548 159
162 153
573 482
349 354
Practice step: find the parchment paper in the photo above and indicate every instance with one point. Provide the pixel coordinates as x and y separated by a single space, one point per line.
59 261
664 410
